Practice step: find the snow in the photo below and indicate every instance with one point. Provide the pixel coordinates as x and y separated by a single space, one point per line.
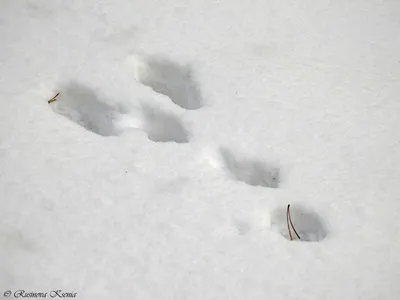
182 131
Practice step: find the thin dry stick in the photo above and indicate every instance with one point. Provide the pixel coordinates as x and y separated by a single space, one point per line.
53 99
289 217
287 221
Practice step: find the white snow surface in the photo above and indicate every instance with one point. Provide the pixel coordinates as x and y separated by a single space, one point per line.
182 131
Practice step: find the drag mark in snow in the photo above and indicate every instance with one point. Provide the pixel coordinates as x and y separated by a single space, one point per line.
170 79
251 171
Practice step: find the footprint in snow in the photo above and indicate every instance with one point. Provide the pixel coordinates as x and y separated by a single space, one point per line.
164 127
160 126
250 171
307 223
83 106
170 79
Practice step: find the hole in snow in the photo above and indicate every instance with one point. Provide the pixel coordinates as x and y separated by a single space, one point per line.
308 224
170 79
164 127
251 171
81 105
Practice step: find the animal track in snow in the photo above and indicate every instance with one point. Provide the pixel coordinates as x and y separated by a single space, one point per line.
164 127
308 224
170 79
251 171
81 105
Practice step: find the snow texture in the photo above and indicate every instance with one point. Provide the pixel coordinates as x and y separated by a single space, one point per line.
182 131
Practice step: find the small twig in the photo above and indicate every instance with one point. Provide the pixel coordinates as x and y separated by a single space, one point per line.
289 220
53 99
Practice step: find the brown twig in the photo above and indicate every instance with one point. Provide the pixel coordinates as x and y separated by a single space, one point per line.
289 220
53 99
